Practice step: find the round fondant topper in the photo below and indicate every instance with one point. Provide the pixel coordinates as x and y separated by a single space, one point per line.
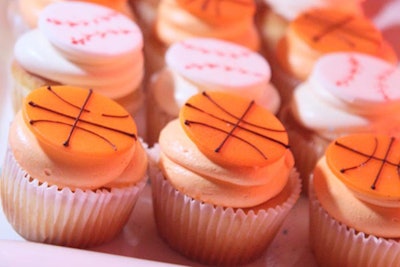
358 78
368 164
79 120
232 130
331 30
219 64
89 31
217 12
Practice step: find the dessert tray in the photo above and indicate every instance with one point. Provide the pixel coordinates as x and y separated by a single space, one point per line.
138 244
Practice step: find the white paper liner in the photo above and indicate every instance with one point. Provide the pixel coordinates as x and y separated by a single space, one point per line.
157 118
43 213
335 244
213 234
306 146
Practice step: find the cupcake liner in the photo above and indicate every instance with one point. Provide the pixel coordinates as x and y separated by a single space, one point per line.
306 146
157 118
212 234
45 213
335 244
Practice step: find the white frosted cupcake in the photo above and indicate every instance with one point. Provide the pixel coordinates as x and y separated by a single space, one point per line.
85 45
318 32
199 64
178 20
223 180
74 168
359 96
23 15
354 202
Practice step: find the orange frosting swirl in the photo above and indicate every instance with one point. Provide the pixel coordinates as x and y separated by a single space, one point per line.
221 150
73 137
218 12
319 31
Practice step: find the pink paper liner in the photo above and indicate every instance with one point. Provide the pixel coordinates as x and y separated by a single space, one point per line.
213 234
335 244
45 213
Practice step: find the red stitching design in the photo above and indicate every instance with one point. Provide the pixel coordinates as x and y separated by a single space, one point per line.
354 69
218 53
220 66
382 85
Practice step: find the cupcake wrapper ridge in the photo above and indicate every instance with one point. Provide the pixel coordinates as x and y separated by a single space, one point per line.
44 213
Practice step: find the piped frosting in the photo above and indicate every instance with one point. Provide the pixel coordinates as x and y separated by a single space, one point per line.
357 183
360 95
226 150
199 64
233 21
84 45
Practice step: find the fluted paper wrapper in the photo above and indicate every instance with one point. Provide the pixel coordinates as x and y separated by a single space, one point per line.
306 146
43 213
213 234
335 244
157 118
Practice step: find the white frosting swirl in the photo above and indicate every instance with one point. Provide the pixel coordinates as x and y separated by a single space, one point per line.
110 63
359 96
200 64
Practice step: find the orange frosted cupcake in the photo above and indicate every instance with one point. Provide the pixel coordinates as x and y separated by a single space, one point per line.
275 19
321 31
223 181
355 202
73 169
359 96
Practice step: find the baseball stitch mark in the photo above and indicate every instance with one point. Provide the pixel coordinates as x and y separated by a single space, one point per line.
382 85
354 70
223 67
85 23
218 53
96 20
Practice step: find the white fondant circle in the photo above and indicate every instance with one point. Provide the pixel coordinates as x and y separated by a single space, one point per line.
89 31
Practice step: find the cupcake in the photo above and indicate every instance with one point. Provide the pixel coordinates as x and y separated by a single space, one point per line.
276 18
74 168
84 45
359 96
318 32
23 14
177 20
199 64
223 180
354 202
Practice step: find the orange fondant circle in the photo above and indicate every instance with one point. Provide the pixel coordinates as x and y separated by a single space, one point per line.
60 119
232 130
367 164
329 30
217 12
